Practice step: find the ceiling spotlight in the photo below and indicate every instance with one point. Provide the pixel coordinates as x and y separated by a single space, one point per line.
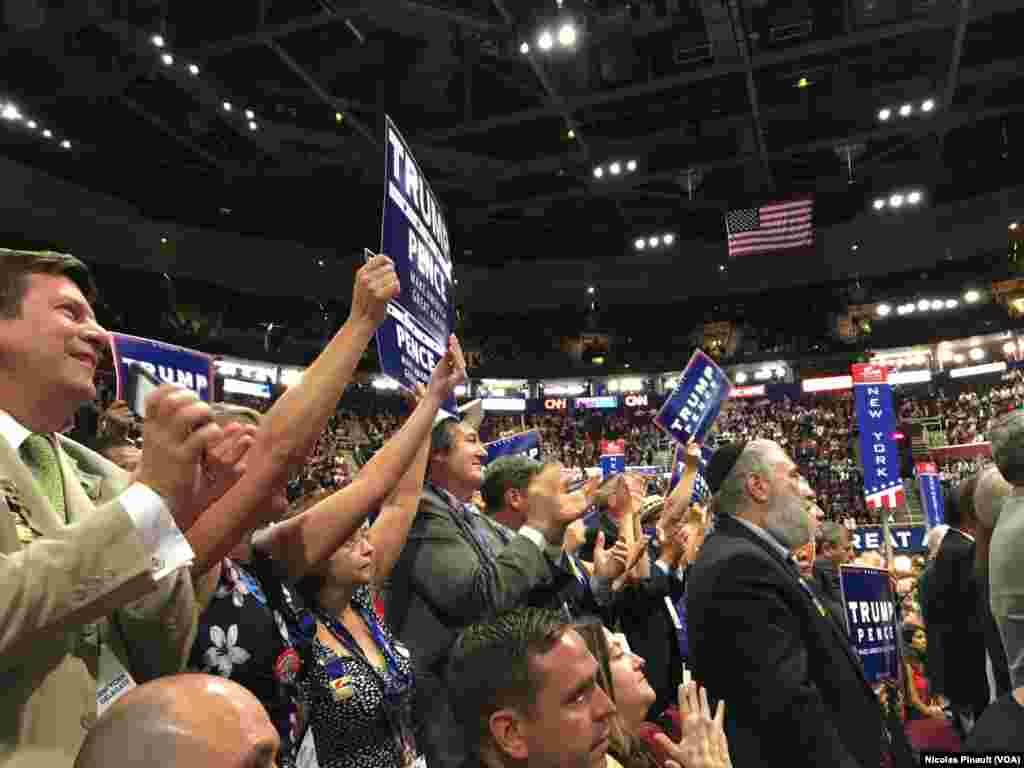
639 243
971 296
250 115
252 125
928 105
545 41
976 353
883 310
938 304
1013 224
803 82
879 204
668 239
167 59
598 172
721 267
590 289
47 133
896 201
524 48
951 303
319 262
856 246
163 241
958 358
339 117
741 377
227 106
31 125
614 168
923 305
653 242
905 110
65 144
157 40
914 197
884 114
193 69
571 134
567 35
901 309
631 166
10 112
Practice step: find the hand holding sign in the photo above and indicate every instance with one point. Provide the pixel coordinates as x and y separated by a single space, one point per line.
376 284
693 406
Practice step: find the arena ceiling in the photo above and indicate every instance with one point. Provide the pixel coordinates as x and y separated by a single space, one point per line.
720 103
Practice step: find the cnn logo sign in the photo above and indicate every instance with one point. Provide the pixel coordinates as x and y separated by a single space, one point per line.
636 401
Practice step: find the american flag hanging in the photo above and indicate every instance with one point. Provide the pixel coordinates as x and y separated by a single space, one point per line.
778 226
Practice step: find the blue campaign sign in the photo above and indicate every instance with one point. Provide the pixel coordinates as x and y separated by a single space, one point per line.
871 620
168 363
693 406
876 418
521 444
613 464
413 233
932 499
905 539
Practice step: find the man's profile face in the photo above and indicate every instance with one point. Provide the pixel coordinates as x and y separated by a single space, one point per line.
464 460
569 723
55 343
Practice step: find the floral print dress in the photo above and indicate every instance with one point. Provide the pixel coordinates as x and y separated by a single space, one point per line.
247 634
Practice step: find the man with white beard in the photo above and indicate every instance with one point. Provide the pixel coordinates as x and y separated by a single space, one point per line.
760 638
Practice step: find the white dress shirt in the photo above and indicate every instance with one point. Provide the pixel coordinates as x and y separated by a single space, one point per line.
161 538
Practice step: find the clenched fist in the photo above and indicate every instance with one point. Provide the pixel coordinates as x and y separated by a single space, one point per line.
376 284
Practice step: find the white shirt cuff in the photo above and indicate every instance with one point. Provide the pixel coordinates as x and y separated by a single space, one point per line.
162 540
663 567
553 551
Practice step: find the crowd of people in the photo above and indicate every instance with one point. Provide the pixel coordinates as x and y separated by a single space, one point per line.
312 586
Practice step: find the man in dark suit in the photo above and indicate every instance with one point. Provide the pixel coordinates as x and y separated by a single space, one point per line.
989 496
759 637
834 549
956 639
459 566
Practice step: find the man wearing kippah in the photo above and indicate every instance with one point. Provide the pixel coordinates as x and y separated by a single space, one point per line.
760 638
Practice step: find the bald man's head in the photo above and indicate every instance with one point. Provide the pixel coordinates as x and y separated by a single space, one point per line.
992 489
192 721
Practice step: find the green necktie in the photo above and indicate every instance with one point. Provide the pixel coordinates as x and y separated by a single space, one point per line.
41 458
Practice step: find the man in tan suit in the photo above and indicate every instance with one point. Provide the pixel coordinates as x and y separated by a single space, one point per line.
93 595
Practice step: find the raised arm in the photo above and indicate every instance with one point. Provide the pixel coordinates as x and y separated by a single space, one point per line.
291 428
307 539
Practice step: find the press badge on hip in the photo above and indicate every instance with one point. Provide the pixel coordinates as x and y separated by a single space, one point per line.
113 681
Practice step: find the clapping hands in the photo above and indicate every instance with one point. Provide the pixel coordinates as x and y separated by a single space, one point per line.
703 743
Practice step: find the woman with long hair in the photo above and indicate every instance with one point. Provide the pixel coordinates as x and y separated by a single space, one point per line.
927 726
635 743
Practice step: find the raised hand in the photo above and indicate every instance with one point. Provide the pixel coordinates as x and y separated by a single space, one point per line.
376 284
610 562
636 551
449 372
575 535
703 743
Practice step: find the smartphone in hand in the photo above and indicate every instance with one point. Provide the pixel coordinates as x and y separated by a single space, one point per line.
139 383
